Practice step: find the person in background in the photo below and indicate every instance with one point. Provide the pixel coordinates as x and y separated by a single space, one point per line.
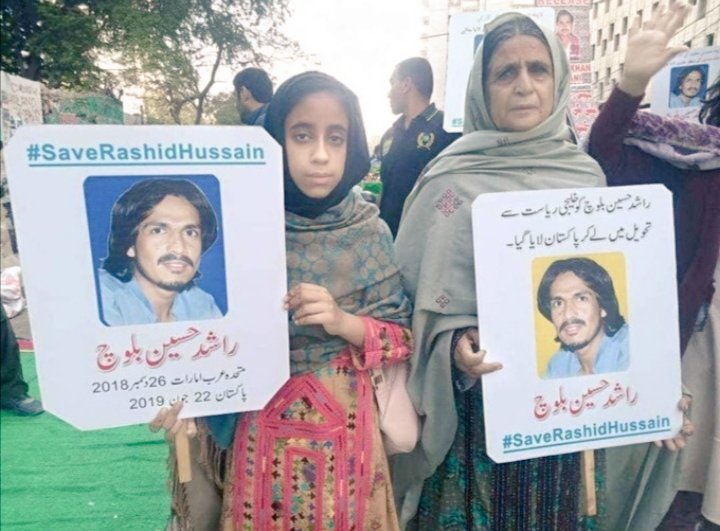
413 140
13 389
253 91
313 458
642 148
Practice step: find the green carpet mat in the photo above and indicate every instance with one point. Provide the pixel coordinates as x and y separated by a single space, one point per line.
56 478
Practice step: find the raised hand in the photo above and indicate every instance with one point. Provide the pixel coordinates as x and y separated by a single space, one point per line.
648 50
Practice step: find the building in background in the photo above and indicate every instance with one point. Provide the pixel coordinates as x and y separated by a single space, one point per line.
610 21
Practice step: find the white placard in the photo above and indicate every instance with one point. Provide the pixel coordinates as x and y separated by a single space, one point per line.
678 89
465 33
534 406
227 348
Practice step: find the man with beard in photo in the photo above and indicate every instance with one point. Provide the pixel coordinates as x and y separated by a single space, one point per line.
578 297
159 230
688 90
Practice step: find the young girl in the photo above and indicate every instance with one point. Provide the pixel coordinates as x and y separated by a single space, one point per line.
313 457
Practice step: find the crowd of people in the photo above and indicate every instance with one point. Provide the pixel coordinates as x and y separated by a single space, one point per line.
370 287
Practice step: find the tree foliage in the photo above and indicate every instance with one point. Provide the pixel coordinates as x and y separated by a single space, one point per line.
206 33
171 48
222 109
53 42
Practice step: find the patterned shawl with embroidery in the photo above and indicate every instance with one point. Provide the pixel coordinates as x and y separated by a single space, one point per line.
349 251
338 242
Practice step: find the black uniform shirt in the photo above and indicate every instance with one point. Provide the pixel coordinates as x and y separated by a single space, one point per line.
404 154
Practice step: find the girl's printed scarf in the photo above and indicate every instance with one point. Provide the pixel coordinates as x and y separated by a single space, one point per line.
349 251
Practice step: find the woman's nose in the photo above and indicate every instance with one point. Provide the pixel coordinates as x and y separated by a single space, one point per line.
523 84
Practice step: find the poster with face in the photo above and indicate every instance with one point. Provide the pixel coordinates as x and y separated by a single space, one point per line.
572 27
678 89
163 283
157 234
588 340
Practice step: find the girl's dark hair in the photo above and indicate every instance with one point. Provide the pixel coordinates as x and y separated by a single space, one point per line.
136 204
508 30
357 161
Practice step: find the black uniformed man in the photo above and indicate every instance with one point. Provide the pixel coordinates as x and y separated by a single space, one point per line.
413 140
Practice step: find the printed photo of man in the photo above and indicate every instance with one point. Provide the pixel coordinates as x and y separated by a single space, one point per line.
159 230
564 29
577 296
689 87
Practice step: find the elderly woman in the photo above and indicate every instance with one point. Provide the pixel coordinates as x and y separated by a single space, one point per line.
516 138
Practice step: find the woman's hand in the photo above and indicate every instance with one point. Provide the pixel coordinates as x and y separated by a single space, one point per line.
678 442
647 48
167 418
470 359
314 305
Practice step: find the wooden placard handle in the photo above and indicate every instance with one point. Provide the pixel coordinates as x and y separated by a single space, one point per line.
182 455
587 472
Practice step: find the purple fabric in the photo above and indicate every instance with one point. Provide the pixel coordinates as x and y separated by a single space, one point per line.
696 194
686 137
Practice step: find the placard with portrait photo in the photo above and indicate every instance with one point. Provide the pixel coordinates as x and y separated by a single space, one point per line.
679 89
577 299
154 268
